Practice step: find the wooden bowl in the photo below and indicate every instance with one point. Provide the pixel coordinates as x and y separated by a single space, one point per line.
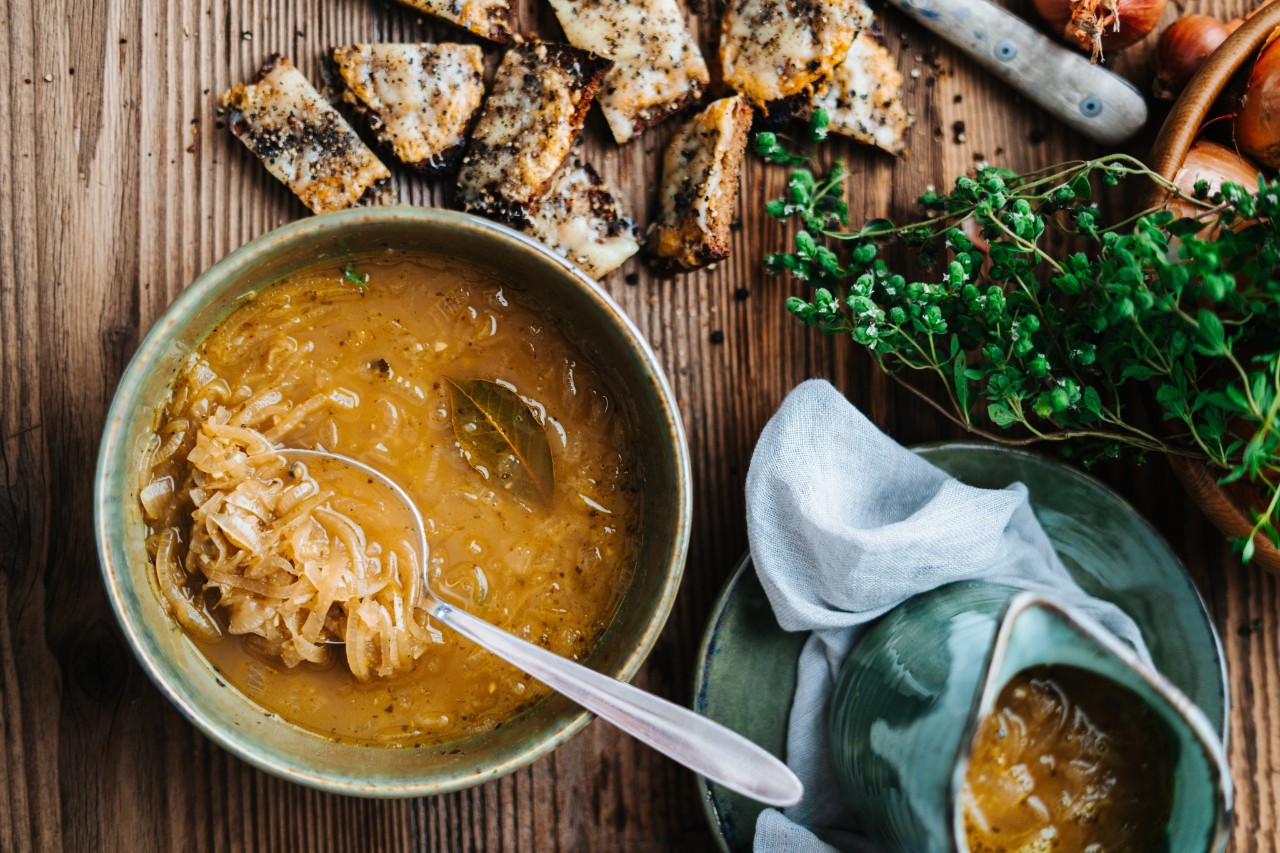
1228 507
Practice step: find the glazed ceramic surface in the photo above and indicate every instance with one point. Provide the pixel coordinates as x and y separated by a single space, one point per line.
910 697
1111 551
587 314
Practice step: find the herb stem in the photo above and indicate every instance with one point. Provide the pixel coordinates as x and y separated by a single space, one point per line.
1053 306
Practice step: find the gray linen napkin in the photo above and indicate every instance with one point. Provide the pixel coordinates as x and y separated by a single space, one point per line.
845 524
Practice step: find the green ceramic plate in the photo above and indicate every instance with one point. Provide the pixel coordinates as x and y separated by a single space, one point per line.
747 664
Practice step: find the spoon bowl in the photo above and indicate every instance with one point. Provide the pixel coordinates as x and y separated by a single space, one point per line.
706 747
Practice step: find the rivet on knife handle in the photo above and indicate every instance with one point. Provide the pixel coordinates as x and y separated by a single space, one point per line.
1084 96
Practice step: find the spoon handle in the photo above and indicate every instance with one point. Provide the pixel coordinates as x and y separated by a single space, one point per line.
706 747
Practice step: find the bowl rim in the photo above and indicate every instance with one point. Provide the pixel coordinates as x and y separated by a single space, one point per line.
236 264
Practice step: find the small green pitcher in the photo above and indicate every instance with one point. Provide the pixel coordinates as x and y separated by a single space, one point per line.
912 693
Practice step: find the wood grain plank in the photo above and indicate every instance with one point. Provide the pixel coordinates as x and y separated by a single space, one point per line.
27 815
117 187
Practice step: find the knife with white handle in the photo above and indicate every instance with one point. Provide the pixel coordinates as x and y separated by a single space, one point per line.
1086 97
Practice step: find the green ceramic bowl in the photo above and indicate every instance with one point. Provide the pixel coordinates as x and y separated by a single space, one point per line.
584 311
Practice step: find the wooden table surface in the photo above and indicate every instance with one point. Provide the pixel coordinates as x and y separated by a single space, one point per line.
118 186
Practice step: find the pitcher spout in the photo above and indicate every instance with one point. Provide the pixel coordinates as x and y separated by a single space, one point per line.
1145 757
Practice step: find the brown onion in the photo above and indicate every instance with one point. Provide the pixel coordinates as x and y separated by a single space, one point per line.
1183 48
1257 124
1098 25
1217 164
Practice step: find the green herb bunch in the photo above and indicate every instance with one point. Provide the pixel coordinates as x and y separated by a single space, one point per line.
1042 317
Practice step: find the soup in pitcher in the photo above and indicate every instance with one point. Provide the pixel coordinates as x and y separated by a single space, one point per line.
1067 761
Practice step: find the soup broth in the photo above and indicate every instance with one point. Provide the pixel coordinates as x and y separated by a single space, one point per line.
368 360
1067 761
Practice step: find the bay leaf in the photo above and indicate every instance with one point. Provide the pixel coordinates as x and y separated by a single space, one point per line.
502 439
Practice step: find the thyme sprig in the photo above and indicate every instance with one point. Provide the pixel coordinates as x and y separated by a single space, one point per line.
355 275
1041 317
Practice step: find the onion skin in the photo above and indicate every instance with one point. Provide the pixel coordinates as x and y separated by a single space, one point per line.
1217 164
1183 48
1096 26
1257 123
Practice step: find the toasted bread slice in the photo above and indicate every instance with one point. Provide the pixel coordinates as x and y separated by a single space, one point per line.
774 49
489 19
418 99
658 68
580 218
863 97
700 186
529 122
304 141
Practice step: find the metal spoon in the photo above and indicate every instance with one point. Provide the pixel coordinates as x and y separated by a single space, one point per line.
706 747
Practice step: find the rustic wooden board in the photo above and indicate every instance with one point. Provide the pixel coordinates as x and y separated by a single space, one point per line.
117 188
